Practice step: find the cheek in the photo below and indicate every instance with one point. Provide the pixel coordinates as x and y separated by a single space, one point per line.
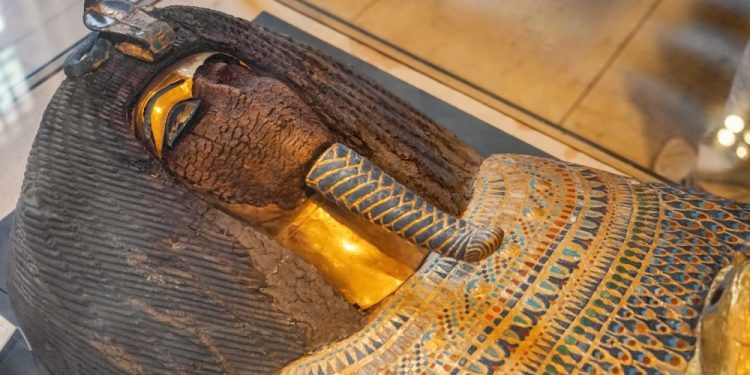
249 141
237 161
218 168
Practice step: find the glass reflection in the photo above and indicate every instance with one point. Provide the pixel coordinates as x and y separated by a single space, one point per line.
13 87
724 155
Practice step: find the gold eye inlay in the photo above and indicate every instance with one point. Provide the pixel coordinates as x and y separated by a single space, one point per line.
161 96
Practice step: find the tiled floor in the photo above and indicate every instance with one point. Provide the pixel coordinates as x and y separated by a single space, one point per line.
670 81
37 31
629 76
539 54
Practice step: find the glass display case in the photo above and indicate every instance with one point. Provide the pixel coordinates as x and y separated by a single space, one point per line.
643 86
658 90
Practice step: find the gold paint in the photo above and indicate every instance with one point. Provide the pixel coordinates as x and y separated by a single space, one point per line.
543 185
134 50
724 340
183 70
162 106
535 212
364 262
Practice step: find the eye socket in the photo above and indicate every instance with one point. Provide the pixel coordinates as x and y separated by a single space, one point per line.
166 107
181 118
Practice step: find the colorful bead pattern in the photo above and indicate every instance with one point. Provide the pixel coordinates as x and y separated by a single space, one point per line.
598 273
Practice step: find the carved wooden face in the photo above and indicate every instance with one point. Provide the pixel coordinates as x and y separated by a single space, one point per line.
254 141
221 124
250 144
246 143
250 140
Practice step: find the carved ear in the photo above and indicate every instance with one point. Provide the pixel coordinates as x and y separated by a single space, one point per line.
354 183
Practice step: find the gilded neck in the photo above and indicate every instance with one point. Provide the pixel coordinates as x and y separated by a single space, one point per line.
363 261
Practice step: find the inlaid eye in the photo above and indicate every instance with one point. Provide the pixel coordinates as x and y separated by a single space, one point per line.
167 108
158 109
180 119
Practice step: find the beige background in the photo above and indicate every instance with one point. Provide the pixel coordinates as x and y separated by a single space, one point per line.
628 75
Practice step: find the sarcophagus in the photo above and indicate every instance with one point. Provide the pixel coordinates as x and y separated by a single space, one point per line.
205 196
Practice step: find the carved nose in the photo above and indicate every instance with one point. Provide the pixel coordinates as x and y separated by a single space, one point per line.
355 184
